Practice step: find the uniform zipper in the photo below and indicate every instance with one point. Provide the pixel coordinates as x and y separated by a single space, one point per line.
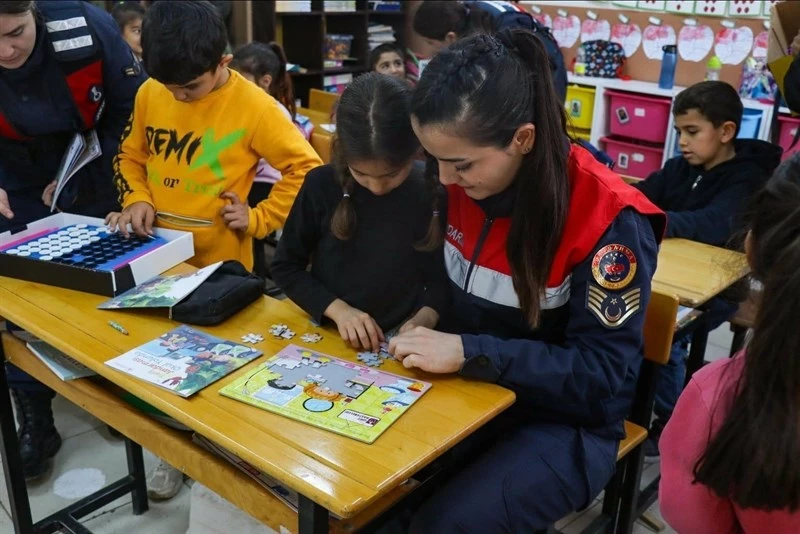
487 225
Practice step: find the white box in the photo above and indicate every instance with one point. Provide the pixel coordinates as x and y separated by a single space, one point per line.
129 270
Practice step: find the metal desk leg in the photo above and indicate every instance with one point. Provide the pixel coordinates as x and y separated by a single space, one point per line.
12 465
313 518
136 471
697 351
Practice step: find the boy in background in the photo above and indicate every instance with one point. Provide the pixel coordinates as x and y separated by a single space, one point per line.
704 192
189 154
129 16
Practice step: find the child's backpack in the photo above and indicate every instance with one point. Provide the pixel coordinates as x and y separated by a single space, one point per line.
508 16
604 59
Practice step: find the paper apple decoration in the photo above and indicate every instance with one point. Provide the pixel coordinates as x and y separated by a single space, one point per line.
695 43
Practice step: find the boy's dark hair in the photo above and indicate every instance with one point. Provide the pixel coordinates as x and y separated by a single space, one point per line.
385 48
182 40
258 59
15 7
125 13
435 19
718 102
483 88
754 458
373 123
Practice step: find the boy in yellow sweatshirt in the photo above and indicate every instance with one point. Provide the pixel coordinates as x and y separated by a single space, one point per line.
189 153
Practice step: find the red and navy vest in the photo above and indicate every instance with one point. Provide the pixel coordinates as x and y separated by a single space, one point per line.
477 261
73 44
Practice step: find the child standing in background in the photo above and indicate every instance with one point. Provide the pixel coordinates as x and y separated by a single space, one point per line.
265 66
369 224
388 59
129 16
729 454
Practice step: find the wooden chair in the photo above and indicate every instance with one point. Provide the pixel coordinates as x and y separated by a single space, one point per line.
622 491
321 143
322 100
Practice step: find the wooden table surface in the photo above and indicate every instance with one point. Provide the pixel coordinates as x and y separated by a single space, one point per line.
696 272
339 473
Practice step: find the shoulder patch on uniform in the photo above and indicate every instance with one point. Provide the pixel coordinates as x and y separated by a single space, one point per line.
614 266
613 309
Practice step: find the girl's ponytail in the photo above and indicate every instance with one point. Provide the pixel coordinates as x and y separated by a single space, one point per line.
283 89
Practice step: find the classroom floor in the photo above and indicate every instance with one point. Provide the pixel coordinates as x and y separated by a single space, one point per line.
90 458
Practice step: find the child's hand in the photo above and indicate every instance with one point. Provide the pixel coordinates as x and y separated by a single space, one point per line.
426 317
355 326
48 194
140 215
236 214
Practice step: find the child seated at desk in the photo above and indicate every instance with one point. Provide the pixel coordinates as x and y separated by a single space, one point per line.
729 453
388 59
189 152
369 224
704 192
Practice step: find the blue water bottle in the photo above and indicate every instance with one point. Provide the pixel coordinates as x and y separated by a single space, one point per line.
668 63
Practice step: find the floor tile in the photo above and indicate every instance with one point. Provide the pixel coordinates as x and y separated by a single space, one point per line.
583 519
170 517
71 420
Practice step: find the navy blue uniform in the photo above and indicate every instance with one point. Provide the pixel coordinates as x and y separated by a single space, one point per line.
38 105
574 376
40 114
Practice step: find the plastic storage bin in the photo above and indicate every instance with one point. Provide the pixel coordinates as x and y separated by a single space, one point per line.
643 118
751 124
584 135
787 133
633 159
580 106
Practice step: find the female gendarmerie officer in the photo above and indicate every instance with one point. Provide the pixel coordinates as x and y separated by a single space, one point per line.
64 69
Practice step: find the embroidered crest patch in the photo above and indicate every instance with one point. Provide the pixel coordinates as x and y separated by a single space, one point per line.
614 266
613 309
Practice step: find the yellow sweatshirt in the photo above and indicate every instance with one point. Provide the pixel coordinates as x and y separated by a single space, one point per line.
180 157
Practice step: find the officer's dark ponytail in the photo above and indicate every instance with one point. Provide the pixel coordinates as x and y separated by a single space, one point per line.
15 7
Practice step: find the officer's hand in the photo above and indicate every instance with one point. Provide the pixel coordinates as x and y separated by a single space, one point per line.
5 207
140 215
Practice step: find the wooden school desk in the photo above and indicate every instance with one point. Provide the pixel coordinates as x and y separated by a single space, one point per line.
353 480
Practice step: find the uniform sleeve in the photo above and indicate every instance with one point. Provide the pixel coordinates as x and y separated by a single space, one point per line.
301 234
130 165
122 77
689 507
603 336
279 142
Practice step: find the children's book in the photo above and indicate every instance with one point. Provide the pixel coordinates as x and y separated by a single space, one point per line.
184 360
161 291
62 365
338 395
83 148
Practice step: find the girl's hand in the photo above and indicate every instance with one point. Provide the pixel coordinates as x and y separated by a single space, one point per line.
48 194
355 326
236 214
426 317
431 351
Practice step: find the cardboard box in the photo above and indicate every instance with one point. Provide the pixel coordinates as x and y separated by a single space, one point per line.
136 267
784 26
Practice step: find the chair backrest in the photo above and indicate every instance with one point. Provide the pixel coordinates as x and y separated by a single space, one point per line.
322 100
321 143
659 326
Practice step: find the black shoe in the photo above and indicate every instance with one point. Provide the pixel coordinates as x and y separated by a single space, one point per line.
653 437
38 438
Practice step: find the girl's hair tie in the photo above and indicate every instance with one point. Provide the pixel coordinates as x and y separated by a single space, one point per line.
346 195
435 213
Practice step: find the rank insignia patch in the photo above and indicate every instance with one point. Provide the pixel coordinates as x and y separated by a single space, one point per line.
614 266
613 310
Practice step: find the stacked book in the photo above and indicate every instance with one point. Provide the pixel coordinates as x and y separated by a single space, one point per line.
340 6
289 6
379 34
378 5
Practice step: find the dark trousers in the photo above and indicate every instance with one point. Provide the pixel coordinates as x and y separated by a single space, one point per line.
527 479
27 207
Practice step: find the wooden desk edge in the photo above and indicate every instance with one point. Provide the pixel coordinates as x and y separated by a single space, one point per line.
178 449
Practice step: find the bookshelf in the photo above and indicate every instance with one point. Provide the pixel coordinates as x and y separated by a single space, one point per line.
302 36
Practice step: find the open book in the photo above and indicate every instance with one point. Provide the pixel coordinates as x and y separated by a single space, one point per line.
83 148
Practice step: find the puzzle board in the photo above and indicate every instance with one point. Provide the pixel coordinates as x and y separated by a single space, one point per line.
80 253
327 392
